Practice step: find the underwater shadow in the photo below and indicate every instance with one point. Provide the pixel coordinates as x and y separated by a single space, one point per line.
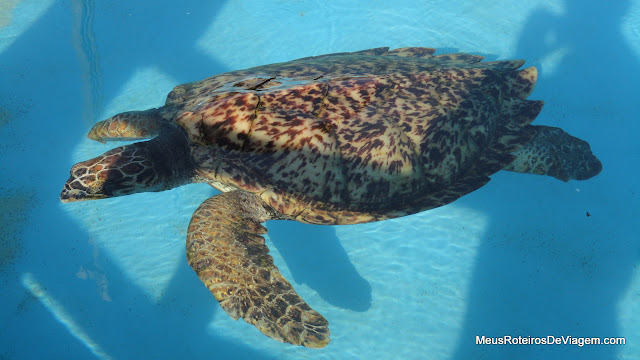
148 35
120 320
44 92
315 257
551 262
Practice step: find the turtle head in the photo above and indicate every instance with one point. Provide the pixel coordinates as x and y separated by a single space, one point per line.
153 165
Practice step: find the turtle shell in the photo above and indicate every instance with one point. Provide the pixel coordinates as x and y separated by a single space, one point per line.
355 137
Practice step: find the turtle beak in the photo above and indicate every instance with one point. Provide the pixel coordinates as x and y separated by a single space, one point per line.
71 195
74 190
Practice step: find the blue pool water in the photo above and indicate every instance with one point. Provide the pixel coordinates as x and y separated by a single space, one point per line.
108 279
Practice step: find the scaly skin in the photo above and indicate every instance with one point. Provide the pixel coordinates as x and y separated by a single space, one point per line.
555 153
155 165
131 125
225 249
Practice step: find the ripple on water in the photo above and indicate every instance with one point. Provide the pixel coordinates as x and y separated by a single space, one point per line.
419 268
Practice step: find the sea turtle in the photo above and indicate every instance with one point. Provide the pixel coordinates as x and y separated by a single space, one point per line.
342 138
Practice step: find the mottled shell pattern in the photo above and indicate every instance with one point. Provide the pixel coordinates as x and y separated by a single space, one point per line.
357 137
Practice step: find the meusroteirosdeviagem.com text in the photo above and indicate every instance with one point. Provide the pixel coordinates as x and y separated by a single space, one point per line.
548 340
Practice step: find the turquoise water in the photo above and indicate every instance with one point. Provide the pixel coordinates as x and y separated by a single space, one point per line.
108 279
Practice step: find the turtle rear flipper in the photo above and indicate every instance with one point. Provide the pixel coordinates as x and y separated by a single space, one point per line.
551 151
225 249
130 125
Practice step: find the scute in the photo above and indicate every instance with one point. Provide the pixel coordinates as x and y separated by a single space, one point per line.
224 121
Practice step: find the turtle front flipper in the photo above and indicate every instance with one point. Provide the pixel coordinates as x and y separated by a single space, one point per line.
226 250
551 151
130 125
